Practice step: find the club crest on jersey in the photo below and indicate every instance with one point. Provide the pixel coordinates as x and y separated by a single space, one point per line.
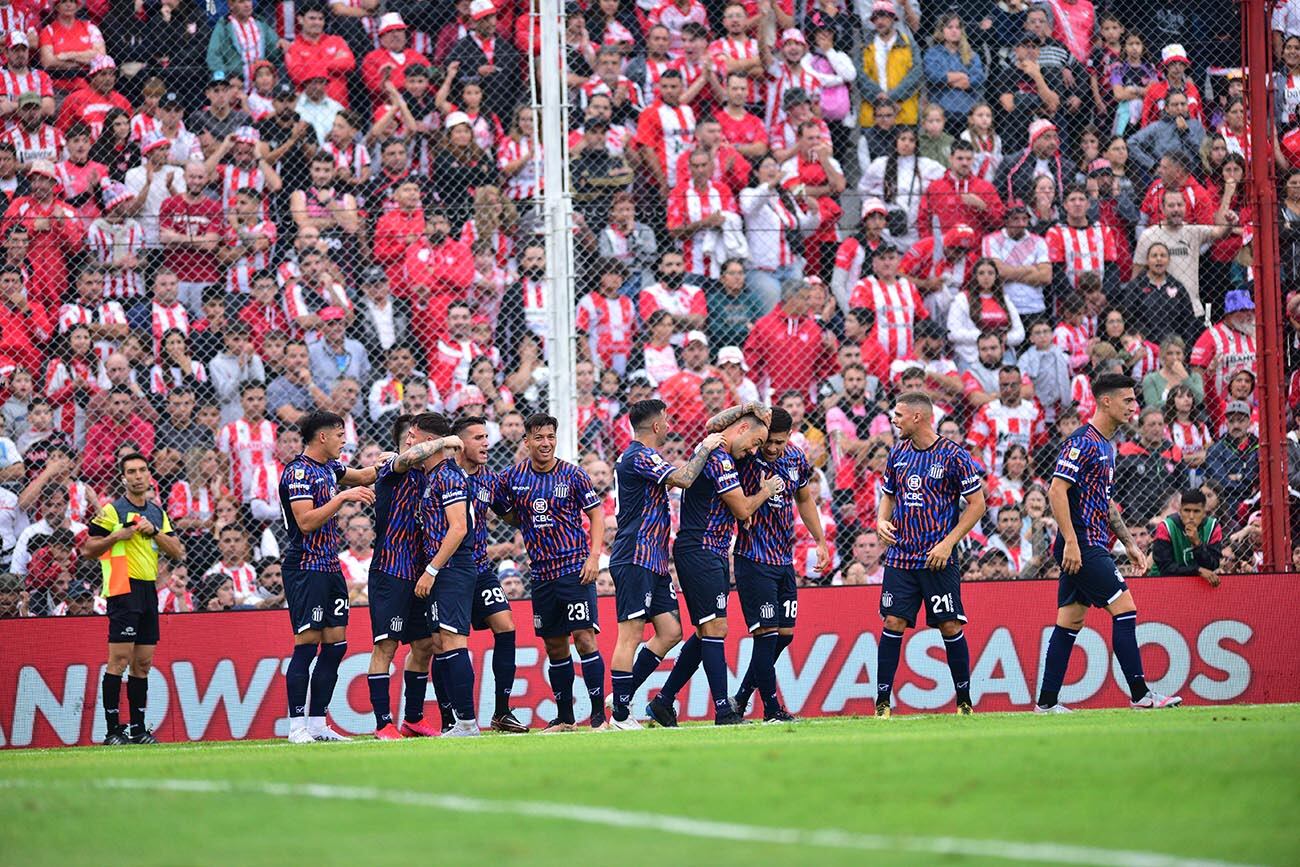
433 613
317 614
886 600
537 621
936 471
722 601
649 597
395 625
793 474
561 491
767 611
483 495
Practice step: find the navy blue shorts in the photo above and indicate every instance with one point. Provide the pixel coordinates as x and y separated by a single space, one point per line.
489 598
564 605
1097 583
706 581
133 616
906 590
761 587
640 594
316 600
396 613
452 599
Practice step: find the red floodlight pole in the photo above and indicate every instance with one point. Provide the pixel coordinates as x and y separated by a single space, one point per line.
1274 500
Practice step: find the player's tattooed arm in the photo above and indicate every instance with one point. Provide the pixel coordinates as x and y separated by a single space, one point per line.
731 415
1118 527
685 476
420 452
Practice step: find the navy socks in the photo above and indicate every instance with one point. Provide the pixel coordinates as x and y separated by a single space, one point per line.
298 676
503 670
891 644
1058 659
325 676
1124 638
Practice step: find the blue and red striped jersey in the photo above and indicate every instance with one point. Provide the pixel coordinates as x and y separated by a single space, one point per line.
400 551
769 535
445 488
307 479
927 486
550 507
706 522
481 486
643 519
1087 462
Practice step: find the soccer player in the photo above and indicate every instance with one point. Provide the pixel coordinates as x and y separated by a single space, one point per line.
917 517
711 507
638 559
546 498
396 614
1086 515
764 559
314 587
447 519
125 537
491 608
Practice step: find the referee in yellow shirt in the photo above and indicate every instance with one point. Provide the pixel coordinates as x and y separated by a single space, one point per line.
125 537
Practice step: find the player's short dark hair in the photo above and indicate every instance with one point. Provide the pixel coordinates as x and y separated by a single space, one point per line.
781 421
918 399
1193 497
315 422
643 411
400 425
1109 383
130 456
432 423
466 422
539 420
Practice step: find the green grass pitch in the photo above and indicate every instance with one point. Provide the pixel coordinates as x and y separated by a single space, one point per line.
1178 787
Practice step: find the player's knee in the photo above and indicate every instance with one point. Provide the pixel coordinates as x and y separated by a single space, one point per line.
501 622
141 667
764 630
949 628
671 631
716 628
420 654
895 624
557 648
585 641
384 650
118 663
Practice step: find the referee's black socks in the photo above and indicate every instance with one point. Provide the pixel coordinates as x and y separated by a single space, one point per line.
137 696
111 690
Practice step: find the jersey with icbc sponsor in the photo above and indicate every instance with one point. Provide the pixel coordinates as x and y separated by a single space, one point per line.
400 551
927 486
643 517
769 535
308 479
481 486
1087 462
446 488
706 522
550 508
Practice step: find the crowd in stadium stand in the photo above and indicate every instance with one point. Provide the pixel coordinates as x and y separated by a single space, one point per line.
218 218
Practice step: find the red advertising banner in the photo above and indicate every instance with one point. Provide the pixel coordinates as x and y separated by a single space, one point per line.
221 676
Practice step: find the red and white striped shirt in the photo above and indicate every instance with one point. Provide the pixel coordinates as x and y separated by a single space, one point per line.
1222 350
730 48
356 570
108 313
668 131
247 37
503 245
527 182
163 378
898 305
15 84
235 177
1080 250
456 356
1189 436
353 158
782 78
265 484
83 502
686 300
243 576
107 243
166 319
996 427
60 389
239 276
44 144
249 446
21 20
1081 396
170 603
610 325
535 308
187 501
669 15
1073 340
690 204
596 86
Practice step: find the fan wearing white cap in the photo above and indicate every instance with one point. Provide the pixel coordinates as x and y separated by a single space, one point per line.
240 40
245 167
18 55
853 258
1018 172
91 103
153 182
1173 78
391 59
788 71
494 60
891 67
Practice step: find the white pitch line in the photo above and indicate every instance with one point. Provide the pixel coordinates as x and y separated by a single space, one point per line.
685 826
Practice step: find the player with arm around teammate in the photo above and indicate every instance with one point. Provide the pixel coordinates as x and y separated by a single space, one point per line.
1080 497
546 498
638 560
447 529
917 517
711 506
764 558
314 587
396 613
491 608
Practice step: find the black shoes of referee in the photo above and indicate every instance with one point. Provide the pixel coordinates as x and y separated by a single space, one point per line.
119 737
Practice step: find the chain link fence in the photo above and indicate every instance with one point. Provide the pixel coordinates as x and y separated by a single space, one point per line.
220 218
